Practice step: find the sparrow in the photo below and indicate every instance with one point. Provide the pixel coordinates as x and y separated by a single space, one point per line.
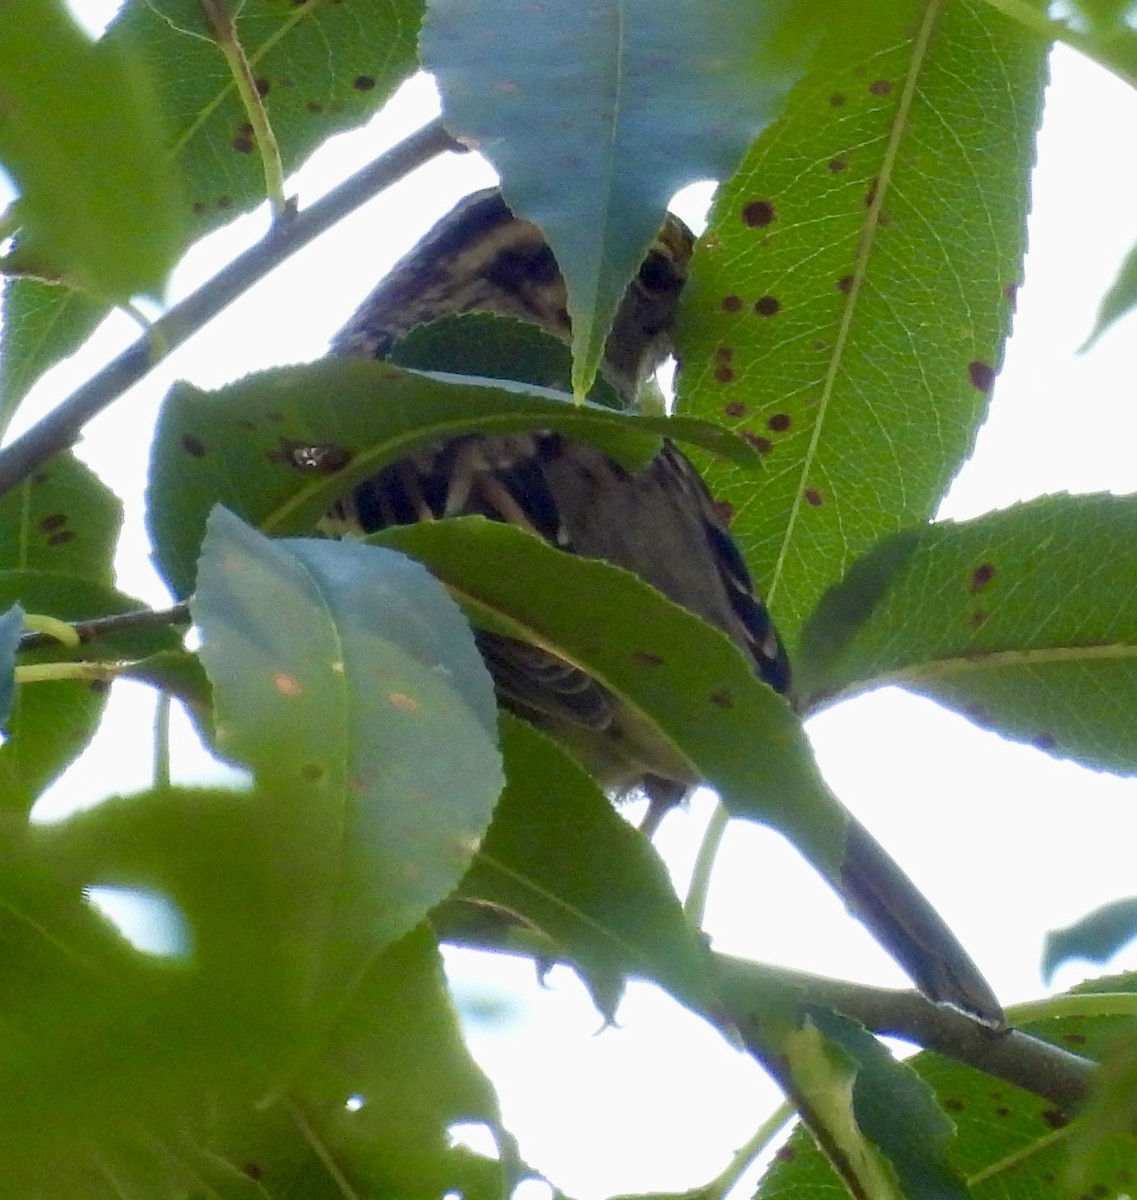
659 522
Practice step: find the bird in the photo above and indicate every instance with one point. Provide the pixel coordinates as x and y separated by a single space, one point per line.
659 522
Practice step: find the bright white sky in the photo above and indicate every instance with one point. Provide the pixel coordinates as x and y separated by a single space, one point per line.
1007 842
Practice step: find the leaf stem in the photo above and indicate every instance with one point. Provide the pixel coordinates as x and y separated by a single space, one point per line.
695 906
745 1155
259 129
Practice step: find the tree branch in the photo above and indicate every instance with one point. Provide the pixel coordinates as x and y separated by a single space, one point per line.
1008 1054
62 426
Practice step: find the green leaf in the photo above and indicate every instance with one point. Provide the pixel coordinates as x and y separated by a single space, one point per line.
11 628
1008 1143
152 1076
644 99
558 856
495 347
1097 936
107 1047
1103 1146
349 681
1024 620
373 1104
1120 299
82 138
687 683
63 519
823 1076
916 1148
847 308
43 323
319 69
278 448
51 722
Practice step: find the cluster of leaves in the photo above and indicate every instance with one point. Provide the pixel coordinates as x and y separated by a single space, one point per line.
839 337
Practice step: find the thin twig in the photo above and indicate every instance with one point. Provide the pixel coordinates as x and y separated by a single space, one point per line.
98 627
62 426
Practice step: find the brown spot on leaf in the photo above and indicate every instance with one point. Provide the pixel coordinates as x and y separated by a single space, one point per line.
870 195
724 353
315 107
1044 741
731 303
363 83
1002 1111
880 87
55 521
1074 1039
761 444
785 1154
287 685
1011 292
722 699
311 772
767 306
252 1170
981 374
813 497
845 284
193 445
402 702
735 409
778 423
836 100
1054 1118
61 538
758 214
724 374
243 144
197 208
837 164
982 576
725 511
646 658
953 1104
977 619
224 201
263 86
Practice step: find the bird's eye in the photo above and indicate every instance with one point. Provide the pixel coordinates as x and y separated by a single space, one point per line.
659 274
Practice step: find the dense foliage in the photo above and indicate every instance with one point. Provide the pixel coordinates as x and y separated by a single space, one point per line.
839 337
